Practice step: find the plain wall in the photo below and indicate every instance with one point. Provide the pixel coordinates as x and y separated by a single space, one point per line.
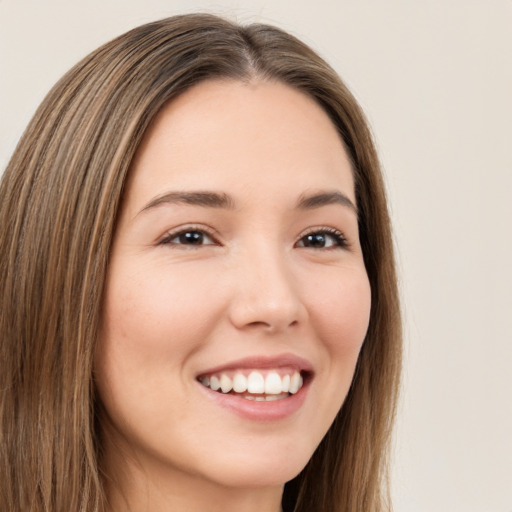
435 79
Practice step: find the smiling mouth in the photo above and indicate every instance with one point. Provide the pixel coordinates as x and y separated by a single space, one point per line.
257 385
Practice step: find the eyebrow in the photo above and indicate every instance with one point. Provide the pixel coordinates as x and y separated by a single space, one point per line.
323 199
199 198
222 200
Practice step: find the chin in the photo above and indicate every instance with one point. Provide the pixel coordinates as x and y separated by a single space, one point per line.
266 467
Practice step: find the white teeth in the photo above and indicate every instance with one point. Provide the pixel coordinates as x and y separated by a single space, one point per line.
214 383
273 384
225 383
267 398
273 398
286 384
295 383
272 387
255 383
239 383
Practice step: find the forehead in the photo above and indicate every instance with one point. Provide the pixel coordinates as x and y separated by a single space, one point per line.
229 134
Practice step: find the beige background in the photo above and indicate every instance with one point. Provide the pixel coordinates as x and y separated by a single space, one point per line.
435 78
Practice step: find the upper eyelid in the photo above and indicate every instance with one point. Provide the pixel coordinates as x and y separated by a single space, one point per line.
345 243
172 233
208 230
322 229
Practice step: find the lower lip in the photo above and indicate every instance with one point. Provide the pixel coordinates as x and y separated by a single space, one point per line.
259 411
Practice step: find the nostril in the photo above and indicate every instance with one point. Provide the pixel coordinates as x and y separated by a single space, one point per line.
271 326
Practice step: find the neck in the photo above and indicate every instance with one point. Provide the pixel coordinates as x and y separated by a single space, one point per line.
172 496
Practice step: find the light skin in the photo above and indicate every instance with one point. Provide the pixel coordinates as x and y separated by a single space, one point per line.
237 238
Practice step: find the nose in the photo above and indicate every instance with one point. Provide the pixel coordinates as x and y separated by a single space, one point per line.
266 294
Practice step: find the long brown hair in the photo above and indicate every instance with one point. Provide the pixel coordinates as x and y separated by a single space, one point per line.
59 198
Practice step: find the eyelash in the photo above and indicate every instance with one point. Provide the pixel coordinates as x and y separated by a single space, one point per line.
167 240
340 242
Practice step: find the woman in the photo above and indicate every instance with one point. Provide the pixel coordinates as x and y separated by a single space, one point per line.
199 298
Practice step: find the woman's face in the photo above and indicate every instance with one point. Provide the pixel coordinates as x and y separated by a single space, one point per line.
236 262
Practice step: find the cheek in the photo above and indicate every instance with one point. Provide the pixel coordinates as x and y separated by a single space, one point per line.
343 312
145 337
341 320
339 314
153 314
153 322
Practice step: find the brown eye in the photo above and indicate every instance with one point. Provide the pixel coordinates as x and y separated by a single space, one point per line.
322 240
189 237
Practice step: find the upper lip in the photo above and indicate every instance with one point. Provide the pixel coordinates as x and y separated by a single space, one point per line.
262 362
